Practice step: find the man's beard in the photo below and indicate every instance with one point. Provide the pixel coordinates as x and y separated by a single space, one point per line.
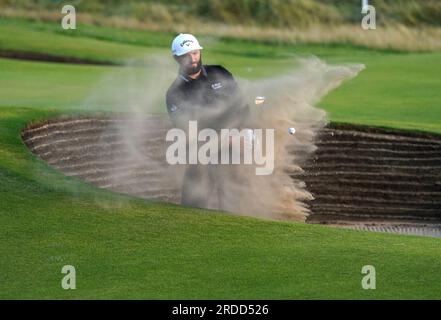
189 70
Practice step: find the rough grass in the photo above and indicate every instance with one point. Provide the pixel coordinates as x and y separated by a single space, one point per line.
287 13
394 35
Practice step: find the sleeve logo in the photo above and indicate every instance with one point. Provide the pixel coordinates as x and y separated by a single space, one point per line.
174 108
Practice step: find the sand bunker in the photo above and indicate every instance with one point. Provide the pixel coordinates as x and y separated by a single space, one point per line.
357 175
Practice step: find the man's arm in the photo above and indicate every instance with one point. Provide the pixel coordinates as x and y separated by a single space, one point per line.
176 111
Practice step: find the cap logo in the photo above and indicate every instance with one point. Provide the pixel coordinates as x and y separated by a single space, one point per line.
186 43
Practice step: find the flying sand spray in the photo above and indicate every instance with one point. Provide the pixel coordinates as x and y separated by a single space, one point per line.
288 107
260 101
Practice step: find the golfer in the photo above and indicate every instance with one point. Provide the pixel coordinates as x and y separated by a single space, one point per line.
209 95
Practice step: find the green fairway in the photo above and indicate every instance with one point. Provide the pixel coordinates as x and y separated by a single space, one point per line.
401 91
124 247
19 38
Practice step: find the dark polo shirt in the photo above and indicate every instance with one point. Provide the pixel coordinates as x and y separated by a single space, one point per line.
213 99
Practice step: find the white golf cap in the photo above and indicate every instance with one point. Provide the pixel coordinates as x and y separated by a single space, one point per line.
184 43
